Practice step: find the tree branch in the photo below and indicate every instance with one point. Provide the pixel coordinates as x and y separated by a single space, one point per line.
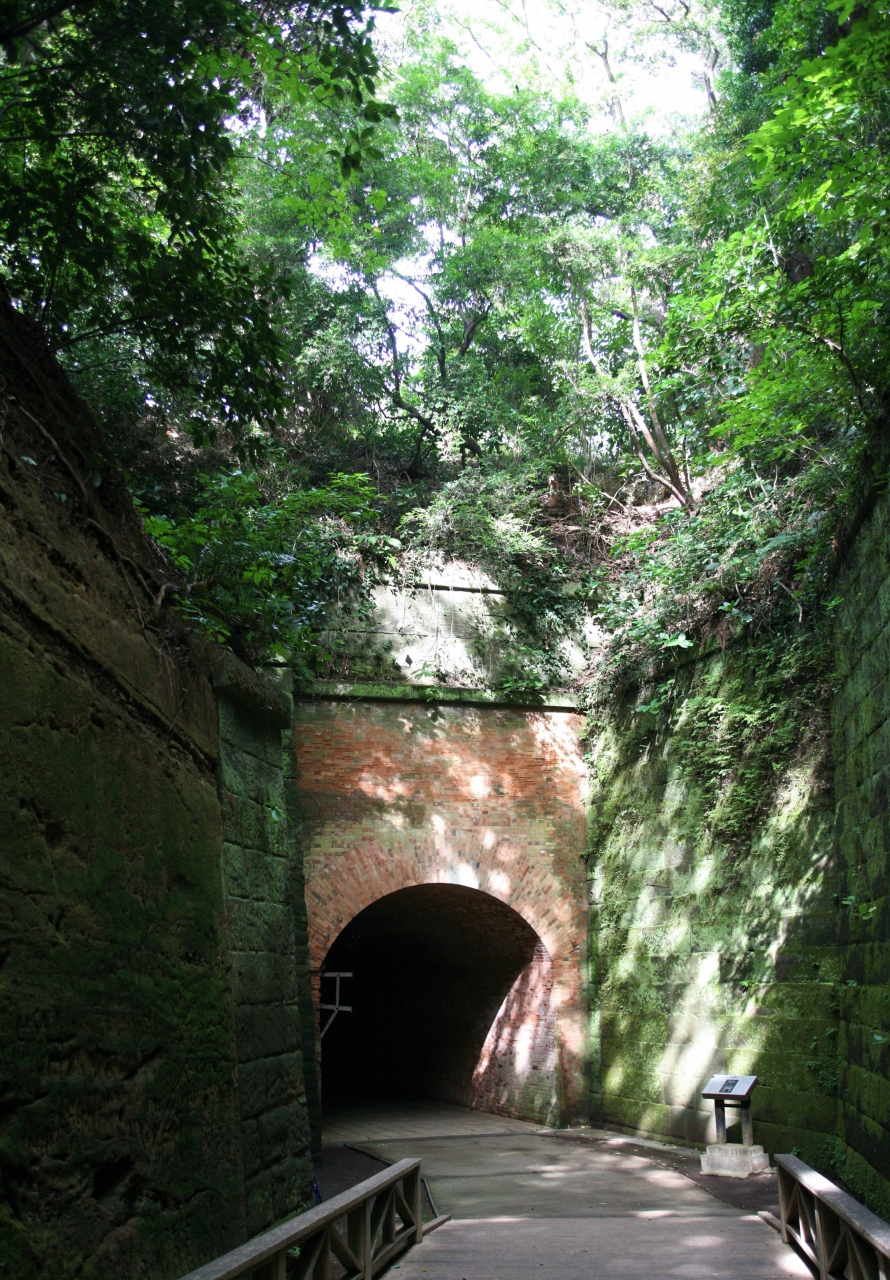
470 332
662 449
637 423
629 413
400 403
27 25
603 55
838 349
440 356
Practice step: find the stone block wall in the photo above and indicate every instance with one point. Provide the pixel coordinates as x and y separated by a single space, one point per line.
120 1150
131 1104
119 1142
768 953
308 1015
861 722
714 916
451 624
260 881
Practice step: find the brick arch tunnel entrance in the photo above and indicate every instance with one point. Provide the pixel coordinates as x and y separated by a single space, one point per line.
451 999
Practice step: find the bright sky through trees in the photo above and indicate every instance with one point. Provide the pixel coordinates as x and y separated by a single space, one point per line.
550 44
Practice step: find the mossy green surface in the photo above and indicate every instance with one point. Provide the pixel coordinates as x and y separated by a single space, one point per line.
861 725
266 931
308 1020
715 909
739 861
119 1144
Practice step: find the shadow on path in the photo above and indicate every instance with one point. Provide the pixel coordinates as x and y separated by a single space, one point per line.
579 1203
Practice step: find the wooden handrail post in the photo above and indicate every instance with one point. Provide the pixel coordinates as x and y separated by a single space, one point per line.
274 1270
827 1227
358 1236
381 1222
389 1217
415 1202
323 1266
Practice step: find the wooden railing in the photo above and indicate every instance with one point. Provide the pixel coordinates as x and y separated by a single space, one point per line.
381 1217
833 1233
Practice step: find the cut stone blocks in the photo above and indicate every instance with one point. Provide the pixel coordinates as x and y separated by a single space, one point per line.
732 1160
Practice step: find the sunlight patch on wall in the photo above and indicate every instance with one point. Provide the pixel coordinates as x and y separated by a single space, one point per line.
519 1056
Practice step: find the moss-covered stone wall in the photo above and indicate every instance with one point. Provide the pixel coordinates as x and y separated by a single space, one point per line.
739 862
262 885
120 1147
714 908
151 1109
861 722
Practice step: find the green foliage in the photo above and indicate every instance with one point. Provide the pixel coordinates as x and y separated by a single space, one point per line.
750 561
737 739
736 724
489 516
692 331
492 517
264 575
773 354
121 125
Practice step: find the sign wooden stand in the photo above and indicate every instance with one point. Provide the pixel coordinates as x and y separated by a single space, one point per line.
731 1160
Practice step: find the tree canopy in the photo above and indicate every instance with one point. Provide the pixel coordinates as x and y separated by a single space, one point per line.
121 127
344 303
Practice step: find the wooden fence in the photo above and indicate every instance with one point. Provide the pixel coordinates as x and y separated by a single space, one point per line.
381 1218
833 1233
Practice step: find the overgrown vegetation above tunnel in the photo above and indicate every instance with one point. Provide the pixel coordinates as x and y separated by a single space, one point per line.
396 311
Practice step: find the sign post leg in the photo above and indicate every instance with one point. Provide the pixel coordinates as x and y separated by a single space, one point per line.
720 1116
747 1126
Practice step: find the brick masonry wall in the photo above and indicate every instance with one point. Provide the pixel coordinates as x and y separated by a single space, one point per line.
261 886
395 794
522 1040
861 722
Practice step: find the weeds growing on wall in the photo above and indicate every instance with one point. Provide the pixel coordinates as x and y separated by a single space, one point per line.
263 573
737 732
492 516
751 565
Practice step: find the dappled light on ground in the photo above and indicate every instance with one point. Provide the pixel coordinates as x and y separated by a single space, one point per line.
569 1205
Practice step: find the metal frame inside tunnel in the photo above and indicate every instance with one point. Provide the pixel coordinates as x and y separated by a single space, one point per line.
452 1000
336 1007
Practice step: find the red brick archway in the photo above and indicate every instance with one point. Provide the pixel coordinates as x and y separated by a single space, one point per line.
451 997
398 794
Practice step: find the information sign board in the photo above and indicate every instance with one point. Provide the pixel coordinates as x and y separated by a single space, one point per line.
730 1088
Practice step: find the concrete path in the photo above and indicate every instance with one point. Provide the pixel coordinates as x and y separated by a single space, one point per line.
539 1203
415 1120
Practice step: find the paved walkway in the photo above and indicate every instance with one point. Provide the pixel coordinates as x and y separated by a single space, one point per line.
416 1120
530 1203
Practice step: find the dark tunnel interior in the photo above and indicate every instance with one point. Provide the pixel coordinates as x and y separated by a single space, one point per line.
432 965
